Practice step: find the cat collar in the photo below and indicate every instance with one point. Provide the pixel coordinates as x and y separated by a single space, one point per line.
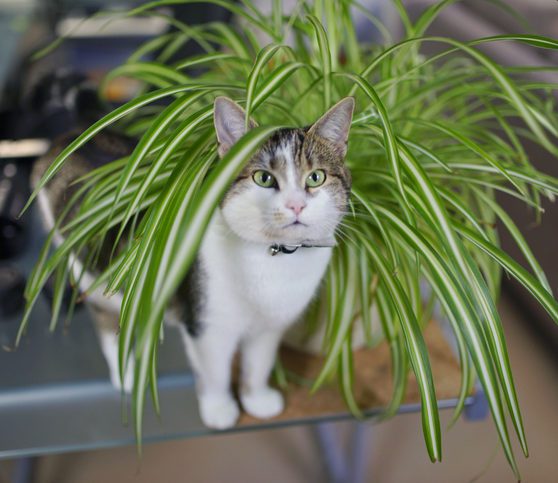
288 249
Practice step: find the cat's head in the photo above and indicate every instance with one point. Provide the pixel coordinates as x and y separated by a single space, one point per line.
296 188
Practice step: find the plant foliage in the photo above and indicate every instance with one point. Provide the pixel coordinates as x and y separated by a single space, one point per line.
434 139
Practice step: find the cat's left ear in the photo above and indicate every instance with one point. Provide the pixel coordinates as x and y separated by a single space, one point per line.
229 119
335 124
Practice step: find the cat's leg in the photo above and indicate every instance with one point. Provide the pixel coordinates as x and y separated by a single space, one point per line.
258 356
106 327
211 354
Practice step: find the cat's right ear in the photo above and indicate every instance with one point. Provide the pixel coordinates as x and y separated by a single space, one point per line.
229 119
335 124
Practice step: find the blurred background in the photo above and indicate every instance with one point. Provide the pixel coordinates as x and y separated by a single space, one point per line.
41 98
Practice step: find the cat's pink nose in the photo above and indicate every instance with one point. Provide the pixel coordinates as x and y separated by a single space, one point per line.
296 206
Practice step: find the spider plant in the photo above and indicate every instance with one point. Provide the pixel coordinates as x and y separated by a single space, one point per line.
435 138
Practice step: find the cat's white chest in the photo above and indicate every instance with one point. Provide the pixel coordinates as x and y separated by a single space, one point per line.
248 289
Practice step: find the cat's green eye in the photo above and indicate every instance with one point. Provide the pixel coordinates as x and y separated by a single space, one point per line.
264 179
316 178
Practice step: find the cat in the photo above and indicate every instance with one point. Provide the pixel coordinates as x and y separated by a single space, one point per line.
259 265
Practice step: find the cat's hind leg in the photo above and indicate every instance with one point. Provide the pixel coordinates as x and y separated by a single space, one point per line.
106 327
258 352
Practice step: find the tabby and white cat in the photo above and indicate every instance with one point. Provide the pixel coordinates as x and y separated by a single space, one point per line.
238 296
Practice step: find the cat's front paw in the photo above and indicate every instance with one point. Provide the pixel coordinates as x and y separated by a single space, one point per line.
262 403
218 412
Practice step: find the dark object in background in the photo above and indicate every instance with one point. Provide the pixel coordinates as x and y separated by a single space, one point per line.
14 190
60 101
12 286
12 238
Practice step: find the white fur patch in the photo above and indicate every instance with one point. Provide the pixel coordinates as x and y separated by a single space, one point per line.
108 341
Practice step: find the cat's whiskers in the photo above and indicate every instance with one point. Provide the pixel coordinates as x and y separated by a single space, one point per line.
342 230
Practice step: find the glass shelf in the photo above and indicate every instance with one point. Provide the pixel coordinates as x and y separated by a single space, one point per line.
55 396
